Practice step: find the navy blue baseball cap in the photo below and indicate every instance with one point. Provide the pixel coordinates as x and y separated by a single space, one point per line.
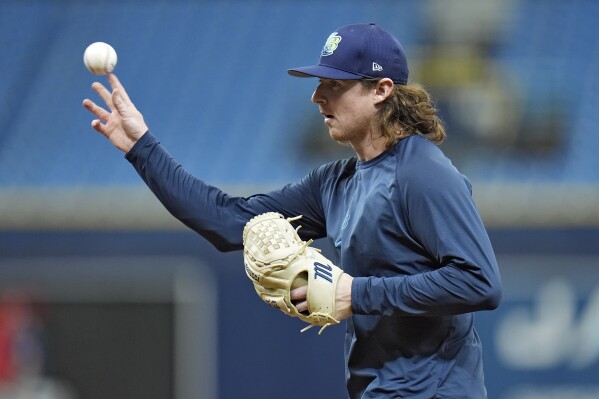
359 51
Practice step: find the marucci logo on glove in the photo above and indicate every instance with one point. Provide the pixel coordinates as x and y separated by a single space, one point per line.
251 274
277 260
323 271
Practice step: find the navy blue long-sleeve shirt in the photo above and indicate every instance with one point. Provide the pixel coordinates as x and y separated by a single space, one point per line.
405 226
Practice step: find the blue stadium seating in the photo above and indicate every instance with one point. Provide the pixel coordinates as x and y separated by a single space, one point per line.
210 78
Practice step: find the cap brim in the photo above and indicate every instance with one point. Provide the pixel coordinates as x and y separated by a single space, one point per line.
322 71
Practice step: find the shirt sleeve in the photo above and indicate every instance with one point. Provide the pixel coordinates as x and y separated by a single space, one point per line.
209 211
441 216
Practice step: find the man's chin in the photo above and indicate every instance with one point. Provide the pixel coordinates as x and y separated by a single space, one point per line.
338 137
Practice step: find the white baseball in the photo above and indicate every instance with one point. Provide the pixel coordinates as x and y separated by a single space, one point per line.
99 58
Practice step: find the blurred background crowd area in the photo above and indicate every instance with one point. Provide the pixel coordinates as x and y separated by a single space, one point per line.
90 262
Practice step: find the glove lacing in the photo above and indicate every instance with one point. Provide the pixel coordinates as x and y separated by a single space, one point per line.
330 321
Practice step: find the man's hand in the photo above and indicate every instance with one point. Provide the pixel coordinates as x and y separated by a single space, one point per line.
343 308
124 124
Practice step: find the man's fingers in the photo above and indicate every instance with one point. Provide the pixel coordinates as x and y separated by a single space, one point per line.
302 306
103 93
116 84
99 127
96 124
95 109
299 293
114 81
101 113
117 100
298 298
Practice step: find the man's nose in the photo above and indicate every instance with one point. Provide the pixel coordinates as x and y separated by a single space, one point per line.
317 97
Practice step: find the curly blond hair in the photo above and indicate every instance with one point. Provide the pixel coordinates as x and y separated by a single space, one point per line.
408 110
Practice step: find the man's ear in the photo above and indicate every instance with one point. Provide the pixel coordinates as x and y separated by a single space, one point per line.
383 89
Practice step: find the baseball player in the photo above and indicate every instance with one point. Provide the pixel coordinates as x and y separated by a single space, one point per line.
416 260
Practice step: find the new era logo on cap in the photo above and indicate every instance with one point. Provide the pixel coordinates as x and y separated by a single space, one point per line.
359 51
